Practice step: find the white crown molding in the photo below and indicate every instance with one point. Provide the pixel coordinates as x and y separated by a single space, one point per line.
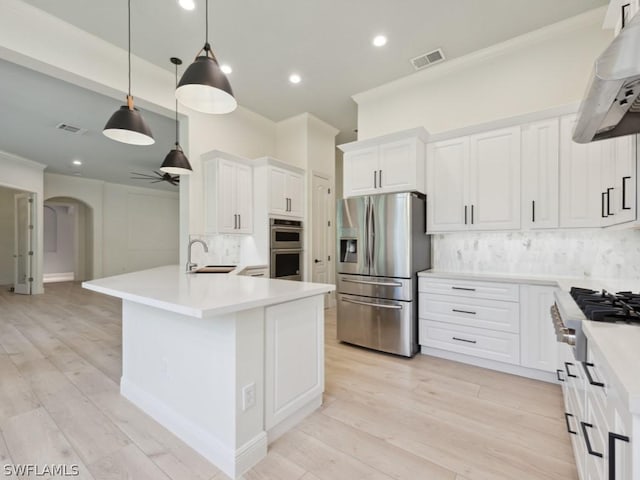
592 17
22 161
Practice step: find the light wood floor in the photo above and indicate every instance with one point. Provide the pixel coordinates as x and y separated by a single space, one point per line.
383 417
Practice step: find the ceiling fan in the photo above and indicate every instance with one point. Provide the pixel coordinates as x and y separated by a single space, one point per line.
157 177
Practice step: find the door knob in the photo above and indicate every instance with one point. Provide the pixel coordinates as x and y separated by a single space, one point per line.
316 260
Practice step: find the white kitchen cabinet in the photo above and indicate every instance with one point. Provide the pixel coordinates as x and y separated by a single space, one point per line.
286 189
392 163
540 174
614 16
474 182
538 344
620 186
228 192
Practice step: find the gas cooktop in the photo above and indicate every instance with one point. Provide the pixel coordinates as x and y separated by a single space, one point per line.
603 306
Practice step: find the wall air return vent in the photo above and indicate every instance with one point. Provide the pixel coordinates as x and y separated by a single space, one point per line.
427 59
71 129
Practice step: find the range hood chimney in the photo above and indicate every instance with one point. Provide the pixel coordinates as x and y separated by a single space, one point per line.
611 107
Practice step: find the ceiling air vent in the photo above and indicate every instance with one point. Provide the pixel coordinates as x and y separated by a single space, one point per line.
427 59
71 129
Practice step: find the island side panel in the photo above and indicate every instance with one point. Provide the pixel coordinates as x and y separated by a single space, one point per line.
180 370
294 362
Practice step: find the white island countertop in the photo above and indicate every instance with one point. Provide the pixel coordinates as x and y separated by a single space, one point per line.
202 295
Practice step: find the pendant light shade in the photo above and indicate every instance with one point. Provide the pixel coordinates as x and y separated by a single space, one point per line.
126 125
203 86
176 162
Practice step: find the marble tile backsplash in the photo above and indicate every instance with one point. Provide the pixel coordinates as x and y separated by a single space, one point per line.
223 250
575 253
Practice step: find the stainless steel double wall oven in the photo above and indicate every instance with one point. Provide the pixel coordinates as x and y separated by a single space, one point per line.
286 249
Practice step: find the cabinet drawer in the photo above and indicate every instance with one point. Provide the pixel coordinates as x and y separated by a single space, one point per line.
494 345
472 312
509 292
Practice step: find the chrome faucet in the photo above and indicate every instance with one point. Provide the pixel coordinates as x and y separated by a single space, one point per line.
190 264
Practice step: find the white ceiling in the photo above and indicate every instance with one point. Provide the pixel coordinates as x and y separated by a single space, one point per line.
328 42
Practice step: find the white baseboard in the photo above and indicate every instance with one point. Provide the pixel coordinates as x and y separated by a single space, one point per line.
491 364
58 277
291 421
233 462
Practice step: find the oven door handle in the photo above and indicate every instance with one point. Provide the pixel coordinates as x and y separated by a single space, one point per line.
378 305
378 284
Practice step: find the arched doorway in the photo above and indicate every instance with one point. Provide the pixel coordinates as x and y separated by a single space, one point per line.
67 240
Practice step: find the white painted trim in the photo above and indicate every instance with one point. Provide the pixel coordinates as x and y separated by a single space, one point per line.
448 67
249 454
214 154
294 419
23 161
58 277
491 364
419 132
266 161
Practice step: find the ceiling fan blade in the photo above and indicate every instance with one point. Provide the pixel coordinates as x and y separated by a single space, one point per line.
157 181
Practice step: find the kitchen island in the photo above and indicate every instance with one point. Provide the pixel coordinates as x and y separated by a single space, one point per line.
227 363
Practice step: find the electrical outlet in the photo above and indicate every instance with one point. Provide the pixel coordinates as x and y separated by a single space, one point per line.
248 396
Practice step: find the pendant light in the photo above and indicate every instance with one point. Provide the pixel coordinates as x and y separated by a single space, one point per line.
176 162
126 125
203 86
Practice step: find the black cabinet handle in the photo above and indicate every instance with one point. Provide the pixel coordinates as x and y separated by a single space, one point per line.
566 367
566 419
471 214
464 288
380 178
533 211
235 221
586 366
463 311
624 193
375 179
587 441
463 340
609 201
612 452
602 205
465 214
624 14
558 372
239 221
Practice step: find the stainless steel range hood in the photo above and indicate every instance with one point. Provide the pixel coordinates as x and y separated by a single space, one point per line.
611 107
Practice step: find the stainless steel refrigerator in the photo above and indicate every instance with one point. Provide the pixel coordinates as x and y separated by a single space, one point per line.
382 245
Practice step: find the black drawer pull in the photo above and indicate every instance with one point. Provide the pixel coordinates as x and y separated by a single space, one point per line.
566 419
558 372
587 441
463 340
566 367
612 452
463 311
464 288
586 366
624 193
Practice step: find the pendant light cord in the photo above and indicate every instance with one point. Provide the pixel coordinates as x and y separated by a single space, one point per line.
129 57
177 138
206 22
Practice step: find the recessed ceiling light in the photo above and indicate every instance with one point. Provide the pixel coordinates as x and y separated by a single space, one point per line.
380 41
226 69
77 162
187 4
294 78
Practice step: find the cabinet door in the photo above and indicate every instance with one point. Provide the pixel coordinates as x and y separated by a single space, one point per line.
538 344
295 194
622 201
494 179
582 201
398 166
244 198
447 165
540 173
360 169
226 196
277 191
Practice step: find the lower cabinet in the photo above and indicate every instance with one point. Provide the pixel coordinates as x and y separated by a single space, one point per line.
500 322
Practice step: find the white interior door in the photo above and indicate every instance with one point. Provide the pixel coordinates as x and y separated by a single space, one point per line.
23 243
320 229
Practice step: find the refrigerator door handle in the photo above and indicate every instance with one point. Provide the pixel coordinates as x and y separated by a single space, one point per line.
372 238
379 284
378 305
366 235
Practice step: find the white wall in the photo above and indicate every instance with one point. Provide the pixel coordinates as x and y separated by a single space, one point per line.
133 227
23 174
7 229
540 70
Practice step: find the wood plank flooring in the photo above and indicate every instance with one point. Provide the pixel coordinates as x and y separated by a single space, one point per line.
383 417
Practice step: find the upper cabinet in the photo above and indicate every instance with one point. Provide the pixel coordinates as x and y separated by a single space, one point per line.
285 192
228 191
474 182
540 174
393 163
619 14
